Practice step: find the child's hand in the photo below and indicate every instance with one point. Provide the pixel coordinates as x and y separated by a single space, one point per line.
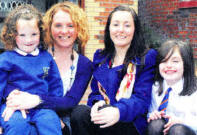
23 112
8 112
171 121
156 115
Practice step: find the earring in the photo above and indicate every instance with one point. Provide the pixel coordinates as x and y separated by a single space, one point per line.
72 56
53 51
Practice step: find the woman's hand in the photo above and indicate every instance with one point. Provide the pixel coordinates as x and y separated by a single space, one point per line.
106 116
62 124
19 100
94 109
171 121
156 115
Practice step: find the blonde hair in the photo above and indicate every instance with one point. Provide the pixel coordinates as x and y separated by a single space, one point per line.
78 16
9 29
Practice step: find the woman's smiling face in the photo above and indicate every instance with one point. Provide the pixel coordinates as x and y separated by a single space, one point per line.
63 30
122 28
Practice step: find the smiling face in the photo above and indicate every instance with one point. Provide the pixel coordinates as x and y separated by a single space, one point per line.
28 35
63 30
122 28
172 69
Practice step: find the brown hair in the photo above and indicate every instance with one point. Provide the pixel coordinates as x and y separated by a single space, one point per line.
9 30
186 51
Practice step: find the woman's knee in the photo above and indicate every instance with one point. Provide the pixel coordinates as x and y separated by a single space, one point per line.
80 111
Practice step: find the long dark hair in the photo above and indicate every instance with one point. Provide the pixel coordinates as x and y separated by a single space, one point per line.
186 52
137 47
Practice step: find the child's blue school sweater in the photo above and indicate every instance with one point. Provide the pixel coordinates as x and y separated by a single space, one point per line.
34 74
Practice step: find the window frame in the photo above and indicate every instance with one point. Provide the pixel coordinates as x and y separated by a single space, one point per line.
187 3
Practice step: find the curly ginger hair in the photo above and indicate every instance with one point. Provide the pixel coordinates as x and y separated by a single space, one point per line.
78 16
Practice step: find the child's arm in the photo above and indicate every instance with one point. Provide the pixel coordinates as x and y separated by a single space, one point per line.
3 77
153 112
155 115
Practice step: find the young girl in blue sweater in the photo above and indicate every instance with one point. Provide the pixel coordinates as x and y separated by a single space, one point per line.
28 67
174 91
66 29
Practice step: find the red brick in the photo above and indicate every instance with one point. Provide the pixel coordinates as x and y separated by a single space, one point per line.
101 41
105 4
183 32
101 32
104 14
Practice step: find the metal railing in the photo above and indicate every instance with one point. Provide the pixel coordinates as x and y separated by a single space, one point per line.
7 5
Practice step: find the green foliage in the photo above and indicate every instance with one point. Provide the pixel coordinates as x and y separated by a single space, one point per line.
152 38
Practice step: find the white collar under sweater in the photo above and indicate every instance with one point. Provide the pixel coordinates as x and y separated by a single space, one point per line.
34 53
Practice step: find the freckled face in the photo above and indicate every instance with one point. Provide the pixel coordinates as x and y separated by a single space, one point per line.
172 69
63 30
28 35
122 28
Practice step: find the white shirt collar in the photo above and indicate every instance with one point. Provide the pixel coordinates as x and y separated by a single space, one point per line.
176 88
34 53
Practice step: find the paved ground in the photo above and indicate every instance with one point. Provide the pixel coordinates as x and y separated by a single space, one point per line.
85 96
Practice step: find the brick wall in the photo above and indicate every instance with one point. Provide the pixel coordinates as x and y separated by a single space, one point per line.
168 20
97 11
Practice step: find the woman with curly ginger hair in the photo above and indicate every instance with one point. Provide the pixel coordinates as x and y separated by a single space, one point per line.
65 26
78 18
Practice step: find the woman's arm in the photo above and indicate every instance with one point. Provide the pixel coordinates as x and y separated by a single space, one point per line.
19 100
72 98
74 95
95 95
140 100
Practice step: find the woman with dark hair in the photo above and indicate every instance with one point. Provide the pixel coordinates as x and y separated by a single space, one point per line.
174 115
122 81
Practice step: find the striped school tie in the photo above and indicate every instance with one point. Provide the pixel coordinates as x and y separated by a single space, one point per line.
164 102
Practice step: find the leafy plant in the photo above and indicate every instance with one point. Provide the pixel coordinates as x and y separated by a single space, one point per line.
152 38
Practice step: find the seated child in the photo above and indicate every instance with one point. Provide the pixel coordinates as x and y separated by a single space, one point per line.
27 66
174 91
